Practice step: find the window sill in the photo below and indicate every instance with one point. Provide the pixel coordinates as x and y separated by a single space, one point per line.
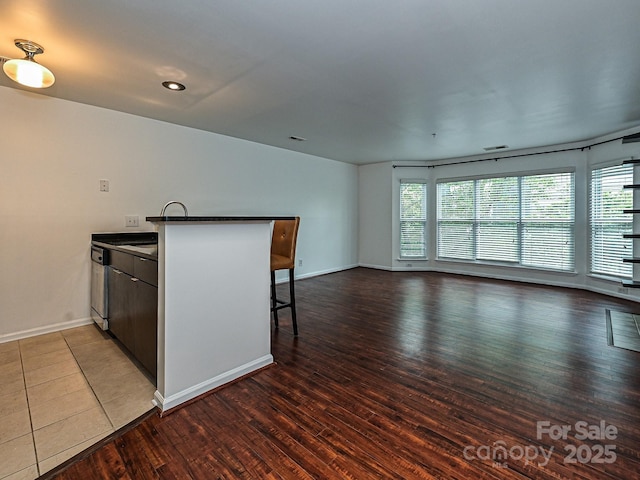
508 266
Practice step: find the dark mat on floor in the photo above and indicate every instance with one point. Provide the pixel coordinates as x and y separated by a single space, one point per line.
623 330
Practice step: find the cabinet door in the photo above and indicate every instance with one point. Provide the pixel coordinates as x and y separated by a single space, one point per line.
146 270
121 293
122 261
146 326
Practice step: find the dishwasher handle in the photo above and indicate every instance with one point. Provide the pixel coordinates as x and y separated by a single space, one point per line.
99 255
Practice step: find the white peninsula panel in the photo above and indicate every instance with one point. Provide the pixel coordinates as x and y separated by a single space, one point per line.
213 304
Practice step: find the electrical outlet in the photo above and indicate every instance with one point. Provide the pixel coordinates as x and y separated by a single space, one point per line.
131 220
299 262
104 185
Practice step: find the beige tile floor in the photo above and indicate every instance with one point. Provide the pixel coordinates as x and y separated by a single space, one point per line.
61 393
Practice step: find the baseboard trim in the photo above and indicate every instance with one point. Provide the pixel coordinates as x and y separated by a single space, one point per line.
591 288
176 399
377 267
510 278
55 327
317 273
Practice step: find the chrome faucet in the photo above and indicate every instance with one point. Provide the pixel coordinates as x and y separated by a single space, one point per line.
186 214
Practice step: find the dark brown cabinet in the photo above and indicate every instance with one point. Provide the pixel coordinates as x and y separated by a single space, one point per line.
120 301
133 303
145 325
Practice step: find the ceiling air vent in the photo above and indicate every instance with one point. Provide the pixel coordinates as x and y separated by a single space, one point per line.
631 138
497 147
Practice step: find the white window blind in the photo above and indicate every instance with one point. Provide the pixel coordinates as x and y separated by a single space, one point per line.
413 219
456 207
548 218
608 224
497 215
527 220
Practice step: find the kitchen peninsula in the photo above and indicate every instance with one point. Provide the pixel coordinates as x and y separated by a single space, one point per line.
213 303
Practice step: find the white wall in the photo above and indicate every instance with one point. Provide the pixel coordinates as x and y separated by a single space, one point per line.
54 153
376 201
580 161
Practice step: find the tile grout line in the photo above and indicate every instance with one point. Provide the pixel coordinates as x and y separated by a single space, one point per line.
29 406
28 351
89 383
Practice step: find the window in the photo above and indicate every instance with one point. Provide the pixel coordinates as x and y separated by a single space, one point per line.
497 213
456 220
413 219
548 221
608 224
527 220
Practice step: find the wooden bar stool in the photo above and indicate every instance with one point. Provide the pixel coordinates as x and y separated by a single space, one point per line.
283 257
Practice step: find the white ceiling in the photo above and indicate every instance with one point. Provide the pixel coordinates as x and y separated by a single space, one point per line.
362 80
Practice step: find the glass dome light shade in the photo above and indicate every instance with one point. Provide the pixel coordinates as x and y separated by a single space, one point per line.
28 72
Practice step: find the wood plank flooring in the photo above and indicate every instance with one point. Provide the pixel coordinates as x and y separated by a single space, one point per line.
410 376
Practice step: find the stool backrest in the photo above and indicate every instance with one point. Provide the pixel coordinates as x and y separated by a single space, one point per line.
284 239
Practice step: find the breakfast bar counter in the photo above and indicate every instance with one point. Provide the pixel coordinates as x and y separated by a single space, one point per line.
213 302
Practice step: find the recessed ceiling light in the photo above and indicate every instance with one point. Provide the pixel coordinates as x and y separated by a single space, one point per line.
175 86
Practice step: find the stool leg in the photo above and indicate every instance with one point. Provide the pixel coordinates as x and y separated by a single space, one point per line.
273 298
292 301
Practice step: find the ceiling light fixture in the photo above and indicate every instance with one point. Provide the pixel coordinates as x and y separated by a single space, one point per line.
175 86
26 71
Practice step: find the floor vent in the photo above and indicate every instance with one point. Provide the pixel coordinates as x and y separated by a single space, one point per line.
623 330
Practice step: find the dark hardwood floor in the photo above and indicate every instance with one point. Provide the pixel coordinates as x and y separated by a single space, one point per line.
410 375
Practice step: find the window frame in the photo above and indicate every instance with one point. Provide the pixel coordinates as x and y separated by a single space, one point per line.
567 262
424 220
622 271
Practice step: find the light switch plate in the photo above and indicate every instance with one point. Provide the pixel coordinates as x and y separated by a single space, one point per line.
104 185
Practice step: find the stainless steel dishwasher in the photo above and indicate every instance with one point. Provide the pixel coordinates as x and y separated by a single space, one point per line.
99 286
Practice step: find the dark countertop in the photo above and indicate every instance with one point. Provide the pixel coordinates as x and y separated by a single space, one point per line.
141 244
193 219
126 238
